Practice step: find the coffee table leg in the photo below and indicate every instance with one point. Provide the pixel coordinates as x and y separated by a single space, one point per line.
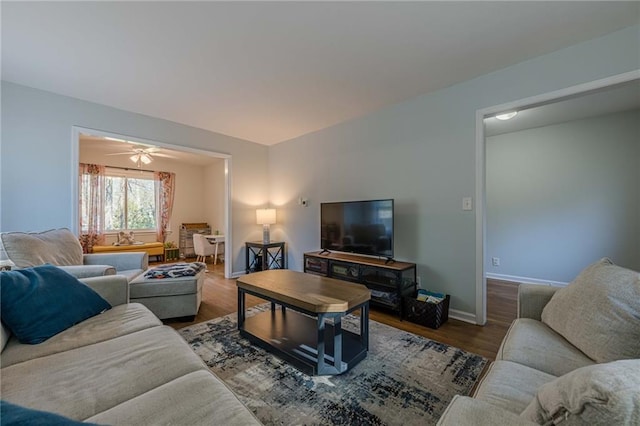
241 307
321 318
337 343
364 325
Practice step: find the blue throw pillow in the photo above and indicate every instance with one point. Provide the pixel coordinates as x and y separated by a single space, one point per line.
42 301
16 415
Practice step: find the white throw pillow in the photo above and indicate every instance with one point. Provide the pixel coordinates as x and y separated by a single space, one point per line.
599 312
600 394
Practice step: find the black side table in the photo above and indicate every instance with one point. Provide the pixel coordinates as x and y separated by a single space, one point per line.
261 257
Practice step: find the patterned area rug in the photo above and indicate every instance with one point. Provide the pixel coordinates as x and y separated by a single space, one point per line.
404 380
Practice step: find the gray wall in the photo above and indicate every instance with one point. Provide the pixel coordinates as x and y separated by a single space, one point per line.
562 196
36 170
422 153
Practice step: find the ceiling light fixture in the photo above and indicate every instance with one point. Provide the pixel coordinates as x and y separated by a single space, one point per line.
140 158
507 115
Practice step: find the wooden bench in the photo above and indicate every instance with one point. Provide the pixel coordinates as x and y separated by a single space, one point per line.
153 249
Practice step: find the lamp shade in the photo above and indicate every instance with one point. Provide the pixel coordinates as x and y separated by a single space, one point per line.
265 216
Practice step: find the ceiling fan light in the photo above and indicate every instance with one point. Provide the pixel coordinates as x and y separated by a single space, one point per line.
135 158
507 115
146 159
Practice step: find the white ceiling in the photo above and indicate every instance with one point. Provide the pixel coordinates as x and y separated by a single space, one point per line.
271 71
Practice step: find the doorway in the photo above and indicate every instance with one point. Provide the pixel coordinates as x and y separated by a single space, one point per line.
541 102
216 176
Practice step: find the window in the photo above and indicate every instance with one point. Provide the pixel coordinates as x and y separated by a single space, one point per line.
129 200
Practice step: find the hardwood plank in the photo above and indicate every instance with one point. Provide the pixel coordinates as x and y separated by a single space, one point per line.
220 298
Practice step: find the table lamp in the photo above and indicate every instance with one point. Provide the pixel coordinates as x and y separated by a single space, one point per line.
265 217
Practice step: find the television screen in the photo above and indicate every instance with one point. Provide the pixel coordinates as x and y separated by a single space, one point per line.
364 227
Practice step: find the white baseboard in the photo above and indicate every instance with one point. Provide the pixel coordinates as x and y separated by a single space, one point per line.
462 316
237 274
526 280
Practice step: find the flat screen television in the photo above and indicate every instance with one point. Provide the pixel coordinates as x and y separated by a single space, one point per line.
363 227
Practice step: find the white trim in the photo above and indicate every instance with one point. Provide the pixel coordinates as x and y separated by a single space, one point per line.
526 280
481 285
228 229
481 294
75 172
463 316
75 160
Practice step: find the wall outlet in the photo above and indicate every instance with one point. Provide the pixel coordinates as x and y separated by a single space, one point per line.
467 203
495 261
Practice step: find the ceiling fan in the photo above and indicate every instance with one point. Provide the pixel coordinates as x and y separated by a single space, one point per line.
142 154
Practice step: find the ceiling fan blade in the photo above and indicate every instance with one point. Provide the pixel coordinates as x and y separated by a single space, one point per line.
140 147
160 154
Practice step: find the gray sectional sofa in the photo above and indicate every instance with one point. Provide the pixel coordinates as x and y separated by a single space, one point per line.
121 367
571 357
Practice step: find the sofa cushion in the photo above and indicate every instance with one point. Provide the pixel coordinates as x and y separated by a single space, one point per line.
40 302
599 312
532 343
465 411
16 415
118 321
57 246
510 386
167 405
85 381
600 394
130 274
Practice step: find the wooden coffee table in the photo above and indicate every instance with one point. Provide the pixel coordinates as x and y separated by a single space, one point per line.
309 334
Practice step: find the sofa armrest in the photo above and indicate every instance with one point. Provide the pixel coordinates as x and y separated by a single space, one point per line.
532 298
463 411
88 271
113 288
120 261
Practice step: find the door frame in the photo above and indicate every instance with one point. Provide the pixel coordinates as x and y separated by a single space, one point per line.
481 114
75 161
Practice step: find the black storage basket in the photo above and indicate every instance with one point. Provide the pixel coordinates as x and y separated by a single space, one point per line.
432 315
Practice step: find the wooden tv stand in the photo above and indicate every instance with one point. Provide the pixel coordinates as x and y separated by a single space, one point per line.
388 281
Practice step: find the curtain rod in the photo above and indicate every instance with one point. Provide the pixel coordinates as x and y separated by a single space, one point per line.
128 169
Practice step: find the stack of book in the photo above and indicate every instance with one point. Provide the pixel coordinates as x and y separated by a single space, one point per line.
429 296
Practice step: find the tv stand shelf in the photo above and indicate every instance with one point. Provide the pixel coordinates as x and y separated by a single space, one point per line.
387 280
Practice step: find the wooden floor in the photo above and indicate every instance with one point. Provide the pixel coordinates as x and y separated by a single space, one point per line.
220 298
